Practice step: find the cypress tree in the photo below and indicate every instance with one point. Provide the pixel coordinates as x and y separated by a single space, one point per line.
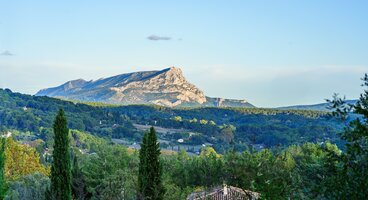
2 167
150 170
142 167
61 168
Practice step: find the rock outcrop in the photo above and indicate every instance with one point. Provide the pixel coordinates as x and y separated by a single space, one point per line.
167 87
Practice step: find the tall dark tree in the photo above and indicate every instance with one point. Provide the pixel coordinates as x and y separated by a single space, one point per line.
79 188
61 168
150 170
142 168
3 185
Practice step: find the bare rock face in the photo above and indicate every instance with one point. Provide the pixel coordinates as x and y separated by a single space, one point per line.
167 87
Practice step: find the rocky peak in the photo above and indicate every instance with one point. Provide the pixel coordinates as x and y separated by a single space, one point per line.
172 75
74 84
166 87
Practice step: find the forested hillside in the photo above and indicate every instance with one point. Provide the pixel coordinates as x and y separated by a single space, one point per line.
30 113
239 127
224 128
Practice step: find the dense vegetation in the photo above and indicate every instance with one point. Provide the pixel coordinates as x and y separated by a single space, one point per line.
150 169
60 188
299 172
32 113
241 128
224 128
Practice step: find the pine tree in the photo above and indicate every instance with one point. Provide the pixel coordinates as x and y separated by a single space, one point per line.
2 169
150 170
61 169
351 167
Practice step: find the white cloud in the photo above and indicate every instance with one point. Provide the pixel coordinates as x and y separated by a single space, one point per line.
156 37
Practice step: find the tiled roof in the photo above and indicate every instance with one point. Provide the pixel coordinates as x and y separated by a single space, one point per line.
225 193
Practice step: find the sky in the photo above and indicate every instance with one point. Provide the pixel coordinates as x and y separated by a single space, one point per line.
271 53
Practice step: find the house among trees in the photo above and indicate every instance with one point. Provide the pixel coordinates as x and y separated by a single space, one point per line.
224 193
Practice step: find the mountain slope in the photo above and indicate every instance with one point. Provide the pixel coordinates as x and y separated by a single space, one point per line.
167 87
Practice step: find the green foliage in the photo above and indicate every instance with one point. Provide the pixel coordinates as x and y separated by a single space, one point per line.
34 113
266 127
261 171
22 160
110 172
209 152
85 141
227 135
176 192
311 169
178 118
118 186
150 170
249 126
296 172
79 187
3 185
203 121
61 168
30 187
349 178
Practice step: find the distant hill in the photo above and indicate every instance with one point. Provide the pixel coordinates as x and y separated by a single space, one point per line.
257 127
32 113
317 107
167 87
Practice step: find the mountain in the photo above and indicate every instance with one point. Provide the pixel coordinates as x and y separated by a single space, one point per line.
167 87
317 107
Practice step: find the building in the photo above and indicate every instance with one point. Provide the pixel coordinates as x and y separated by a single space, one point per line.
6 135
224 193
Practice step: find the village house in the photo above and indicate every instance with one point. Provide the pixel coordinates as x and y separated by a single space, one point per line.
224 193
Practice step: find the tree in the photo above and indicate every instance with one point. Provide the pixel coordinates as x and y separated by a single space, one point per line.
2 169
79 188
61 168
110 172
209 151
30 187
227 134
350 180
150 169
22 160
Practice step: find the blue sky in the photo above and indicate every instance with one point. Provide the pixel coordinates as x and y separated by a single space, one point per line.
272 53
